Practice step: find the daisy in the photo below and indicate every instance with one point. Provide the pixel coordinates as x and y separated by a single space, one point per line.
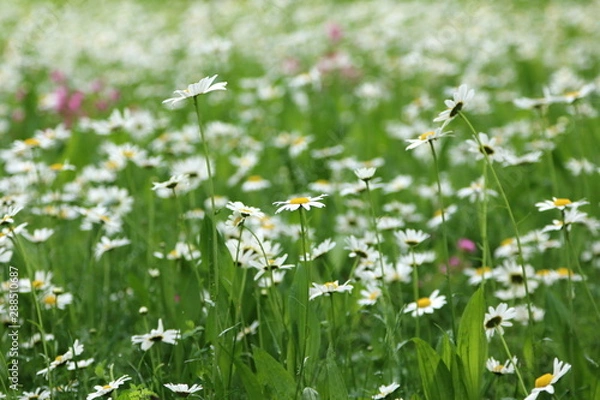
495 319
63 359
328 288
476 191
522 314
426 137
321 249
411 237
57 299
107 244
38 235
241 212
156 335
486 146
204 85
254 183
544 383
365 174
386 390
297 202
495 367
460 98
511 275
571 216
478 275
38 394
559 204
273 265
248 330
182 389
426 305
369 295
102 391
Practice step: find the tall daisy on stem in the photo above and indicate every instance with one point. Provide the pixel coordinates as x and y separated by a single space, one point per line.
456 108
203 86
429 138
302 205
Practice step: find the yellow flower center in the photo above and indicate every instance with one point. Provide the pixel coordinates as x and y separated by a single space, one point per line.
56 167
543 380
574 93
128 153
37 284
498 369
561 202
255 178
426 135
323 181
564 271
58 358
543 272
32 142
482 270
50 300
106 387
507 242
373 296
299 200
331 285
424 302
437 213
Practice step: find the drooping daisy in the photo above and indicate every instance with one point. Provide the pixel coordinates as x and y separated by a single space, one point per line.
496 319
38 235
495 367
544 383
182 389
328 288
476 191
297 202
156 335
460 98
510 274
386 390
102 391
426 305
272 264
204 85
486 147
63 359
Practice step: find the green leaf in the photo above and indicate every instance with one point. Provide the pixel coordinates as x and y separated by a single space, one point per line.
276 382
435 376
332 381
249 380
472 344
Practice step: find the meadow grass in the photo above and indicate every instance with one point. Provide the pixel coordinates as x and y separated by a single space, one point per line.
275 238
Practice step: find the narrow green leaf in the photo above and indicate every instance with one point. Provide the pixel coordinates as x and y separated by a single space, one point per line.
435 376
333 386
249 380
276 382
472 344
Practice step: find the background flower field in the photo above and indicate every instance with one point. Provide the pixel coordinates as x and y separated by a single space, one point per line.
274 237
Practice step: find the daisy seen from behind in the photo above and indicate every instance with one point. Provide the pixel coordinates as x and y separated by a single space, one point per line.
298 202
496 318
156 335
459 99
426 305
386 390
204 85
544 383
426 137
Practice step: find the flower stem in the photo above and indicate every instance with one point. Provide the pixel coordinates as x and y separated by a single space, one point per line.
510 357
445 236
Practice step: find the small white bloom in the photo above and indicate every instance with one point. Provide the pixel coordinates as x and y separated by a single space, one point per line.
204 85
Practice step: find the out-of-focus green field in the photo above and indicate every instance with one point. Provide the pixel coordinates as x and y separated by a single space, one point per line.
125 254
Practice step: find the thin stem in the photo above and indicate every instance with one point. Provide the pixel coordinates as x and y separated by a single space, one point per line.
510 357
416 290
306 266
511 216
445 236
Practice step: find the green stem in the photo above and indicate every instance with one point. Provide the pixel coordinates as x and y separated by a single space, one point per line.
416 291
520 258
445 236
510 357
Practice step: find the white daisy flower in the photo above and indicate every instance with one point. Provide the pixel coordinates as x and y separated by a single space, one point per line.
497 318
386 390
204 85
495 367
297 202
460 98
102 391
426 305
156 335
411 237
182 389
559 204
544 383
328 288
426 137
